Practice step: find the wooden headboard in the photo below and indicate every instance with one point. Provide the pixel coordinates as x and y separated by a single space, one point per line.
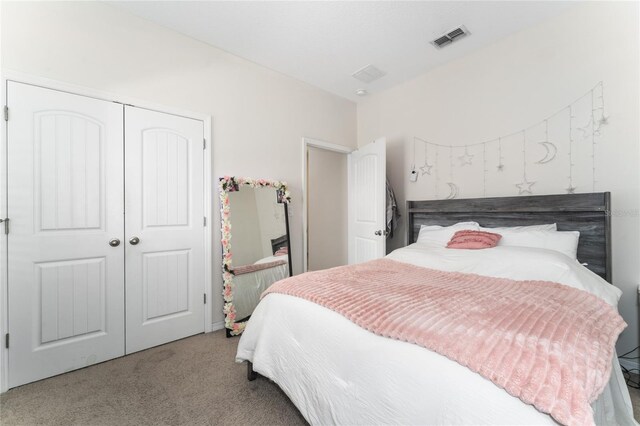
276 243
587 213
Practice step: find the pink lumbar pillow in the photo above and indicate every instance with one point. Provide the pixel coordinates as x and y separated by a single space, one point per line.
468 239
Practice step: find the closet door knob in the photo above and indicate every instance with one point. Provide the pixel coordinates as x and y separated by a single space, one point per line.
134 240
114 242
378 232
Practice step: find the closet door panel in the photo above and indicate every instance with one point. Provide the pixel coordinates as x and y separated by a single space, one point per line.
65 203
164 212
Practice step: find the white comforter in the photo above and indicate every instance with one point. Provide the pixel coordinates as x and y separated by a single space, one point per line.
248 287
338 373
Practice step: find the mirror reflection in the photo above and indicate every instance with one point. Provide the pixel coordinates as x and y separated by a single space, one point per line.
259 245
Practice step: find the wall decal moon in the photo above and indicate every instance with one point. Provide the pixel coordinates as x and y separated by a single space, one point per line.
453 188
550 153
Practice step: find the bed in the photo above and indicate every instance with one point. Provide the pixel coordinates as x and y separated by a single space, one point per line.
336 372
251 280
250 285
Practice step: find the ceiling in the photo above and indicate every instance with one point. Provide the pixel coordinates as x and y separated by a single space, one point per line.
323 43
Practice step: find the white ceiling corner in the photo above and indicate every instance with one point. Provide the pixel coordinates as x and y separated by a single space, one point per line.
325 42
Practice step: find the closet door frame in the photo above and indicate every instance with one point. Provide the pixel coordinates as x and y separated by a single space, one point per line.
19 77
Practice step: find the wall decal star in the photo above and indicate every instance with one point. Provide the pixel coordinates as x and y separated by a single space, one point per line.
426 169
465 159
524 187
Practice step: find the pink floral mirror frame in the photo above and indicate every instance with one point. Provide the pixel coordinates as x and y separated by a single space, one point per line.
226 185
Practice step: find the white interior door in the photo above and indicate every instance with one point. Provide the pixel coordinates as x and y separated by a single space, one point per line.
164 227
367 199
65 204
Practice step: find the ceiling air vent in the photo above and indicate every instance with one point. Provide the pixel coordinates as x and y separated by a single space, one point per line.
368 74
450 36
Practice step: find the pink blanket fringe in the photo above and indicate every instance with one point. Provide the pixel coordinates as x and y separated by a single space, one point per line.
546 343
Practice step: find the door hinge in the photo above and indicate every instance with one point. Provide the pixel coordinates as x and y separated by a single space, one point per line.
6 113
6 340
6 225
204 221
205 298
204 144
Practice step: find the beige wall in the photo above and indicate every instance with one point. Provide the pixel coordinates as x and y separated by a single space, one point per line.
271 218
327 209
256 218
515 83
259 116
244 216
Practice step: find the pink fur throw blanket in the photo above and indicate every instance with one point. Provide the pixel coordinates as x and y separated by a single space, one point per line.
254 267
546 343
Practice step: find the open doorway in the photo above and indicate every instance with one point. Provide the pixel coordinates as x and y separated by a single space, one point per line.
325 204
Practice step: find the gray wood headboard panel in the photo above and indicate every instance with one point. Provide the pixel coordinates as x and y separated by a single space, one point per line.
278 243
587 213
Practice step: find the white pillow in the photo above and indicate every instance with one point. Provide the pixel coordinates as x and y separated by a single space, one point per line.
565 242
434 227
440 235
500 230
516 263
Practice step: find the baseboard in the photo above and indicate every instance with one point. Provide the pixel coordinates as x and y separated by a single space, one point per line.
217 326
630 364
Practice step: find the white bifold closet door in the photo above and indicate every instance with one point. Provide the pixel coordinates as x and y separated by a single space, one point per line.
164 226
65 202
106 242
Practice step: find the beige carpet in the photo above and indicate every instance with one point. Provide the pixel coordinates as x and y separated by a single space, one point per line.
191 381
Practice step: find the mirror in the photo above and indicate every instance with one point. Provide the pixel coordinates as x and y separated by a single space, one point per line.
256 251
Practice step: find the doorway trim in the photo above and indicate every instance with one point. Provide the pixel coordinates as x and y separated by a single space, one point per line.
19 77
306 144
